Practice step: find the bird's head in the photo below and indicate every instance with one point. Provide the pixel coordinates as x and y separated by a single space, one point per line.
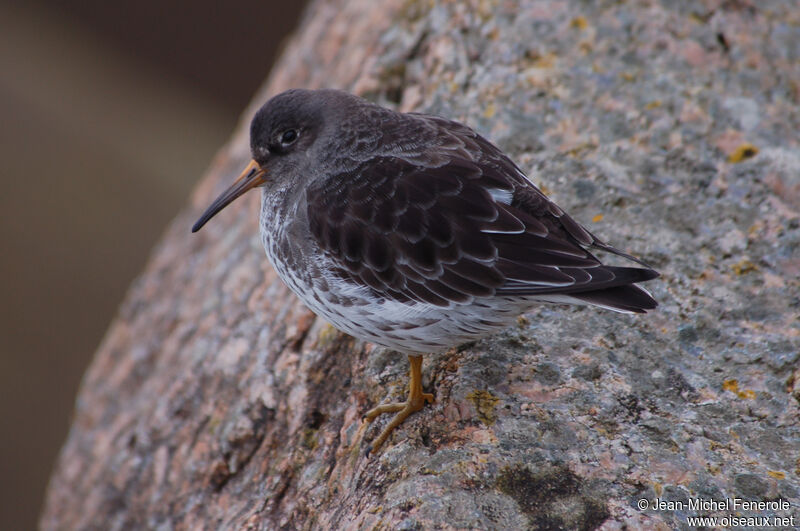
283 138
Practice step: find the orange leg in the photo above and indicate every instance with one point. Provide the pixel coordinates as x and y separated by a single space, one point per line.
416 401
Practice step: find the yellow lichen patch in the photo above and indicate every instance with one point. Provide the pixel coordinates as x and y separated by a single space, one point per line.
755 228
576 150
731 385
327 335
776 474
490 111
309 438
744 266
653 105
743 152
698 18
485 404
658 488
597 218
547 60
214 423
425 471
579 22
414 10
627 76
484 9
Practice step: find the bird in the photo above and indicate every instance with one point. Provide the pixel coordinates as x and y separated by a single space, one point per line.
412 231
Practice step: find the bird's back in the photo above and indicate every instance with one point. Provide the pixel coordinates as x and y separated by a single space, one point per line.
442 216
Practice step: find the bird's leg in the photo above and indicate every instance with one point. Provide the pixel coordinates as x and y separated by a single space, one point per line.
416 401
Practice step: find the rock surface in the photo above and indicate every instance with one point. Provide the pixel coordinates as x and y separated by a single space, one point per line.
669 128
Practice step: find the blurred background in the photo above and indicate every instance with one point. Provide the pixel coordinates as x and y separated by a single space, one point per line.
110 114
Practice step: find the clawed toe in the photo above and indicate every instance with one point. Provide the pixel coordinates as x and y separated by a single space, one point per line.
403 411
416 401
375 412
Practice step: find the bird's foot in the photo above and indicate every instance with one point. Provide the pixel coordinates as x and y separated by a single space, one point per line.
416 401
403 409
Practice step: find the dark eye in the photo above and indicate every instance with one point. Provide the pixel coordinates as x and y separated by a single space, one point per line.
288 137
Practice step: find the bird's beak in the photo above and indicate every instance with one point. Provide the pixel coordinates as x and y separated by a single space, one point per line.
251 177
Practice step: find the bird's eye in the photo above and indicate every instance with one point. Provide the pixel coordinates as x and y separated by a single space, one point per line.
288 137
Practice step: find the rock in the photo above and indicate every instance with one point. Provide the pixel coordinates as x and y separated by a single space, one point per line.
215 399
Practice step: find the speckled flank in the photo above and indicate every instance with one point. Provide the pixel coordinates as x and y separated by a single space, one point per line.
415 329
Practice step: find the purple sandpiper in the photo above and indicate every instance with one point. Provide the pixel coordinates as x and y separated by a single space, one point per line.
413 231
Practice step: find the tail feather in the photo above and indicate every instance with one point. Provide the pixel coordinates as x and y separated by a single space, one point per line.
602 278
628 298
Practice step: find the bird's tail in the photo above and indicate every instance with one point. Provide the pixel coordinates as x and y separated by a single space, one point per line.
627 299
622 296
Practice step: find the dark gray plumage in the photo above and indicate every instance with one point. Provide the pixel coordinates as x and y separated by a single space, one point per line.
413 231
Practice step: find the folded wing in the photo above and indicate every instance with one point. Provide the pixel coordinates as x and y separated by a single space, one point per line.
466 226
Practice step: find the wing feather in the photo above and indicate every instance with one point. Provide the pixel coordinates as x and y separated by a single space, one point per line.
459 222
